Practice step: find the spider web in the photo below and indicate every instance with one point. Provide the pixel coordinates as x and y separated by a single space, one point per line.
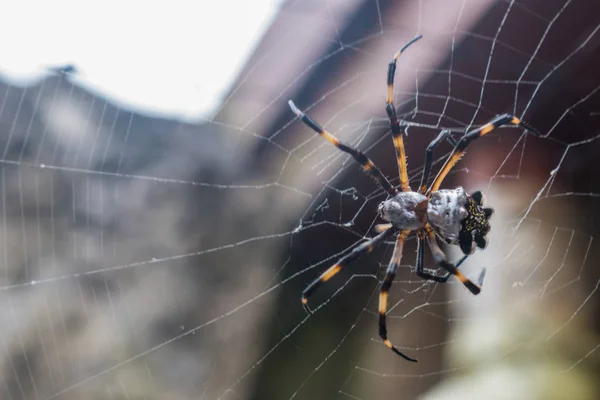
145 258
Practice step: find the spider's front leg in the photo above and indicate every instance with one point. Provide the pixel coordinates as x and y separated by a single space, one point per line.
390 109
361 249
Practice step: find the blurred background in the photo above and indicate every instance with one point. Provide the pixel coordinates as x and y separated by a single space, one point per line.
162 209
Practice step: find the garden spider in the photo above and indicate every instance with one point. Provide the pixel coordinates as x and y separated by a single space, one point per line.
450 214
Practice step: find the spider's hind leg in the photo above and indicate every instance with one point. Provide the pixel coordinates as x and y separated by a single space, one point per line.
469 137
445 134
442 261
431 275
421 271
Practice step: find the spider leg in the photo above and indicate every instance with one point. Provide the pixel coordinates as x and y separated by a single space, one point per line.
382 227
421 272
385 287
442 261
359 250
469 137
390 108
445 134
362 159
425 273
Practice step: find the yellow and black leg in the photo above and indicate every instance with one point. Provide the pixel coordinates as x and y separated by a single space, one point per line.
361 249
442 261
385 288
468 138
429 274
394 122
362 159
445 134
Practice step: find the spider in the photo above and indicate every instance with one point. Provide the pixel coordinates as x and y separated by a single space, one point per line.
453 215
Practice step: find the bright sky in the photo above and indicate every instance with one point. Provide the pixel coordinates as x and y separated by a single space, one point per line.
173 57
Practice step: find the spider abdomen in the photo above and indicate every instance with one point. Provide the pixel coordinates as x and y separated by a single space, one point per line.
405 210
445 212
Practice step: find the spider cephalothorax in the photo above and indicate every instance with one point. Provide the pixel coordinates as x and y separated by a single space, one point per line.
451 214
405 210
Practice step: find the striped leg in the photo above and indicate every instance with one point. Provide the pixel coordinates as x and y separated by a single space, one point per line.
362 159
363 248
385 287
442 261
468 138
429 158
390 108
429 274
